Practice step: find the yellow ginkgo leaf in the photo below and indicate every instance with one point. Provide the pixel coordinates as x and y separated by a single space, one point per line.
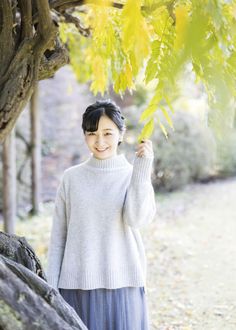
148 112
135 33
152 107
163 129
168 119
181 14
100 75
147 130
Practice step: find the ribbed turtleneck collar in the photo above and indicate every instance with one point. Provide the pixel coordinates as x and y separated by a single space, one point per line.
114 162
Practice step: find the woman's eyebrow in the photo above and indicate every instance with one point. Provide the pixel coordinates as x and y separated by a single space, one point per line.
104 129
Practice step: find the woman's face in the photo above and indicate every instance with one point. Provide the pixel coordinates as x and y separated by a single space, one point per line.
103 142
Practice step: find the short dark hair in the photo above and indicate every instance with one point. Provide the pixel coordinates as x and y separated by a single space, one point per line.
93 113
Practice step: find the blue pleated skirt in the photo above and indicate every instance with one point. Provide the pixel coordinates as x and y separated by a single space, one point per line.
110 309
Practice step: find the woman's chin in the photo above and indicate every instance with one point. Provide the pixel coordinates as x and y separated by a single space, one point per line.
103 154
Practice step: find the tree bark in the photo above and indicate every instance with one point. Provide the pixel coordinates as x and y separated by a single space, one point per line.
27 302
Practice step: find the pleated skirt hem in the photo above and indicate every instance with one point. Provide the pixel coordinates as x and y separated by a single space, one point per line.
110 309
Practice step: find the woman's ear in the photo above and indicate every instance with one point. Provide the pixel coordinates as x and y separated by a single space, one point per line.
121 136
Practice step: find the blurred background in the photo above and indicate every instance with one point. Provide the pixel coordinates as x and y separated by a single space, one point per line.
191 244
191 153
169 63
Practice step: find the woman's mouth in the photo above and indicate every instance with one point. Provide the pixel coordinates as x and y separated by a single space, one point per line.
101 150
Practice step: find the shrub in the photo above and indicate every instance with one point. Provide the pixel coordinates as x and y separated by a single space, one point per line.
188 154
226 155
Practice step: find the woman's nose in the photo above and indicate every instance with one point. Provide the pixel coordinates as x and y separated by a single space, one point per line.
99 140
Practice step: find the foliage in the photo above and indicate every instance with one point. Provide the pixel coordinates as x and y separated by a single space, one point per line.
154 40
226 155
188 155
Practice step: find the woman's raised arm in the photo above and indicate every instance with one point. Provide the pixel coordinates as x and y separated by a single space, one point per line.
139 207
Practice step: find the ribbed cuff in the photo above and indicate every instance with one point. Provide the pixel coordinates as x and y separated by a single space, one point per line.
142 169
109 278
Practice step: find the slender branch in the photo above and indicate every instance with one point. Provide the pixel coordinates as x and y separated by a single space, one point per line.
26 19
6 39
61 5
46 31
45 21
65 4
76 21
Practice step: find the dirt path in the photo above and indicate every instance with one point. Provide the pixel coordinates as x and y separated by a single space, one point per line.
191 251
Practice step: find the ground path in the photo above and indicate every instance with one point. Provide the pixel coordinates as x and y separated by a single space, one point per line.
191 251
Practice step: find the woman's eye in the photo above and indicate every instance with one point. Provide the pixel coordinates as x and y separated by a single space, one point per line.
91 133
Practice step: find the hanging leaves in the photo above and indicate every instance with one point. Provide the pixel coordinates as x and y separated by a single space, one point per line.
147 130
158 38
135 34
181 25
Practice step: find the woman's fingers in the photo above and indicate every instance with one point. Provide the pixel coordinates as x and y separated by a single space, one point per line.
145 149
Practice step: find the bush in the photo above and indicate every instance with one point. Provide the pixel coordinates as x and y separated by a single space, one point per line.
226 155
188 154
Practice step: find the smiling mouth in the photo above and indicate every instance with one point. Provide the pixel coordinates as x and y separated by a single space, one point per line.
101 150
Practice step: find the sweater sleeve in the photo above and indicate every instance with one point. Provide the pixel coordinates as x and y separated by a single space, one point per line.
57 238
140 206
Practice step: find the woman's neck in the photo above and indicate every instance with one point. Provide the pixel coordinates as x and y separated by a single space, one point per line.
113 162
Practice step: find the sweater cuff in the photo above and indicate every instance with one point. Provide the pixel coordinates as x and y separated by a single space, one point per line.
142 169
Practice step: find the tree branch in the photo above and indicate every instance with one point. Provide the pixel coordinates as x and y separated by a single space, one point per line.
53 60
45 20
6 39
26 19
46 29
61 5
29 302
6 17
76 21
66 4
24 48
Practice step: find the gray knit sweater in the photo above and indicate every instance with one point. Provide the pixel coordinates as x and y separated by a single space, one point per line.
95 239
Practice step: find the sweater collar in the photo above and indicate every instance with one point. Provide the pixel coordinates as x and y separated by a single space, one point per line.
114 162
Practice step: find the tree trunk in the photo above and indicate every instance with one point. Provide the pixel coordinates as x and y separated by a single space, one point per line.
9 183
27 32
30 50
27 302
35 151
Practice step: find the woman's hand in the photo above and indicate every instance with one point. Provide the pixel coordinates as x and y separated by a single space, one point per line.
144 149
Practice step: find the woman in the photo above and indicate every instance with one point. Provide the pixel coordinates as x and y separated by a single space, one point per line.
96 256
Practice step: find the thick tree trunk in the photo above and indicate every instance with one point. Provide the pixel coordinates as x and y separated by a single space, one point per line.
30 50
23 56
26 300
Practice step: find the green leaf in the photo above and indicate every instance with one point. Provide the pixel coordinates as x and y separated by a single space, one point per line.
163 129
147 130
167 117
